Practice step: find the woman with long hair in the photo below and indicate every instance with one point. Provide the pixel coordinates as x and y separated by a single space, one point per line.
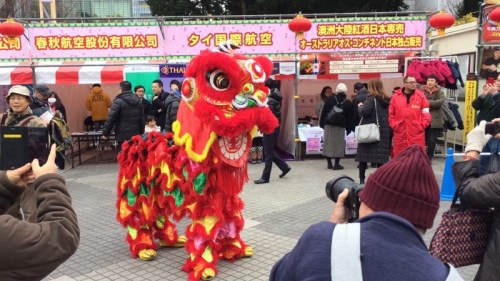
374 108
325 93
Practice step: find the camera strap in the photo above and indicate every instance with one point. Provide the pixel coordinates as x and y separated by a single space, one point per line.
345 254
345 258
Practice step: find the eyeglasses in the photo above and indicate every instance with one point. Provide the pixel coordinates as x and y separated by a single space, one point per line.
411 82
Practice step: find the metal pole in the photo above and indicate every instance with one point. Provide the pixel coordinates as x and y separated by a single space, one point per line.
298 143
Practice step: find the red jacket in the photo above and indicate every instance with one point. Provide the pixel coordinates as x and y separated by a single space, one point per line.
408 120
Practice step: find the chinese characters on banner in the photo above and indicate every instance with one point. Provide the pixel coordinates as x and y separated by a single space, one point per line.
271 37
469 112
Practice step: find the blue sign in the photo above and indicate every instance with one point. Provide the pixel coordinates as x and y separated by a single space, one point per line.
172 70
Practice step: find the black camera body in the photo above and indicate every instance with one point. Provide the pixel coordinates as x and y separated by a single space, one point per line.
337 185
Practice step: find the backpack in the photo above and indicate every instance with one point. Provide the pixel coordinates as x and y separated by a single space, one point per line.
59 132
336 116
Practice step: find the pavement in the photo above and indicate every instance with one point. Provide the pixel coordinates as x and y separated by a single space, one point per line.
276 214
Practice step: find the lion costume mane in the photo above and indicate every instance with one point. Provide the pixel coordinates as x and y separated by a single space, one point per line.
199 170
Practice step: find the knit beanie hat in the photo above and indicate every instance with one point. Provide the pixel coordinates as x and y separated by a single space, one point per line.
341 88
406 186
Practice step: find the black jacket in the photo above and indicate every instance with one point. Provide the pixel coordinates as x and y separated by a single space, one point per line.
376 152
347 107
146 105
362 94
274 103
171 106
126 116
159 103
488 107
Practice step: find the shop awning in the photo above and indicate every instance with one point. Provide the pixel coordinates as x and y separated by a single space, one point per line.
73 72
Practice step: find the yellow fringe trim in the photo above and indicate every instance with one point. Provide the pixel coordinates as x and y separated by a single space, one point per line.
187 141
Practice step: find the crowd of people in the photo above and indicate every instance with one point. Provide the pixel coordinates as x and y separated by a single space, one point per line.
399 200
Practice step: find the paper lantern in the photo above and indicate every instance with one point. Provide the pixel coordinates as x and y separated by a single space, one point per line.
300 24
11 29
495 16
441 21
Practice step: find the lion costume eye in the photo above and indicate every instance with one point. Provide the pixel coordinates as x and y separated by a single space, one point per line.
219 80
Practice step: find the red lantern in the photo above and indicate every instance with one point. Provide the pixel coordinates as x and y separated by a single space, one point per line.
300 24
495 16
11 28
441 21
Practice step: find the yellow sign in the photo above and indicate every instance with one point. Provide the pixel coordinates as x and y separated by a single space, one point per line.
469 112
12 136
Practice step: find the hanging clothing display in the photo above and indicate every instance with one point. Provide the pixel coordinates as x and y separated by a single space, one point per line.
447 71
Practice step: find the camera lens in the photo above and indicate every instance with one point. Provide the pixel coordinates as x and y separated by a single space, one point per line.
336 185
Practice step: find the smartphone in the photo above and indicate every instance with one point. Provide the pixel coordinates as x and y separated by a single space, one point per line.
492 128
491 81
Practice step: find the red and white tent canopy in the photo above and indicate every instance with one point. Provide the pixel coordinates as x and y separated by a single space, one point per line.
72 72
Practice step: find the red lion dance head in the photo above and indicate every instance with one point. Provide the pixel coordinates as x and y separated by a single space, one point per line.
223 98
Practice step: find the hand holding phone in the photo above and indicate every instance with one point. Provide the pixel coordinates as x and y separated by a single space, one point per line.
491 81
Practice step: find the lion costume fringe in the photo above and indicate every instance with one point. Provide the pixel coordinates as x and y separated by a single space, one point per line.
199 170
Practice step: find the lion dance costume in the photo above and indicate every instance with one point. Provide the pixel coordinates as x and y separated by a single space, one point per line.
199 170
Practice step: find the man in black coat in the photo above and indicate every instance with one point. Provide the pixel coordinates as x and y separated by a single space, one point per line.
158 104
126 116
269 140
172 105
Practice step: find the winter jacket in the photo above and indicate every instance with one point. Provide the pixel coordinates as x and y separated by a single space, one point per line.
30 251
171 106
348 110
408 120
146 105
454 109
274 103
98 104
391 249
362 94
488 107
39 106
157 104
126 116
482 192
12 119
436 100
450 121
455 71
375 152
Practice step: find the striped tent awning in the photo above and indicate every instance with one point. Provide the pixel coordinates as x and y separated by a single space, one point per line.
72 72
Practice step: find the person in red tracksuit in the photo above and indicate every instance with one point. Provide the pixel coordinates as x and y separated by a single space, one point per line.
408 116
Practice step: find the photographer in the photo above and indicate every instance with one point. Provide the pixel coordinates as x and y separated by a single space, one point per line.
399 202
481 192
30 251
20 114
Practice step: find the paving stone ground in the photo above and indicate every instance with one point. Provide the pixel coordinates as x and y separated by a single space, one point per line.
276 214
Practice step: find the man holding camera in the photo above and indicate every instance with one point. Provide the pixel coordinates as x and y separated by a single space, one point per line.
31 250
398 203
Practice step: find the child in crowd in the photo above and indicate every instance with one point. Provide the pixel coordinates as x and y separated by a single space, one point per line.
151 125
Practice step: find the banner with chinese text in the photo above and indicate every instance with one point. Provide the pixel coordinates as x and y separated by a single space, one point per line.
183 39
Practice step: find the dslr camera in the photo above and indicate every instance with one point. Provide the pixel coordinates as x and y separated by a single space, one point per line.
337 185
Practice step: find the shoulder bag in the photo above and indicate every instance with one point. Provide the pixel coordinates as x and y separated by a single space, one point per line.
368 133
462 235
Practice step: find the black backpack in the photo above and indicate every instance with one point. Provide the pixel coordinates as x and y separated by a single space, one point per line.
336 116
